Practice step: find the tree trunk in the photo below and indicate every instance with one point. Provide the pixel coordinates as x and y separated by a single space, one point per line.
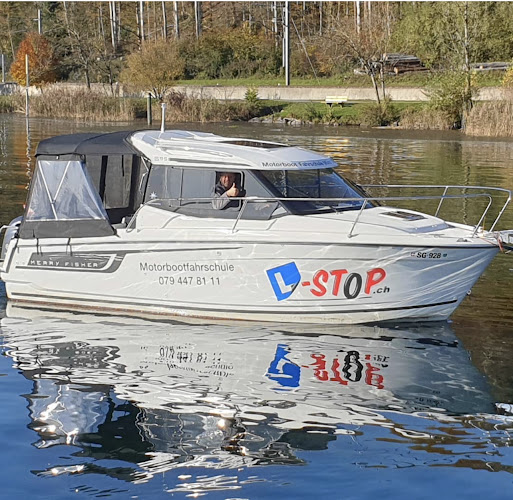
375 85
177 20
164 21
112 16
467 100
383 83
87 77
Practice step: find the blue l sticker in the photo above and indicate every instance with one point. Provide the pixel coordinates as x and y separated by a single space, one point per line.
284 280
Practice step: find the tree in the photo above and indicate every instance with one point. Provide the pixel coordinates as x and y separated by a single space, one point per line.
452 36
41 61
154 68
369 43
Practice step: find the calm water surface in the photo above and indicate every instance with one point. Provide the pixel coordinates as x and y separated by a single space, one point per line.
110 407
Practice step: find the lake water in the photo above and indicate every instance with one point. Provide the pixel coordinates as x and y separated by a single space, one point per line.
97 407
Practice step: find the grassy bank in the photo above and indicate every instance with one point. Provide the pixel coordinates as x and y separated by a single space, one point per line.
414 79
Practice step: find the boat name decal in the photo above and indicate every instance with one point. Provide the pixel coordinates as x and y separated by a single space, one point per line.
306 164
285 279
76 262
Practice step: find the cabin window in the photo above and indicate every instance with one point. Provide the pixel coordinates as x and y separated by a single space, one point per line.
318 183
63 190
190 191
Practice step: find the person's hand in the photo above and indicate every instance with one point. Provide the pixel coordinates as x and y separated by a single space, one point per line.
233 191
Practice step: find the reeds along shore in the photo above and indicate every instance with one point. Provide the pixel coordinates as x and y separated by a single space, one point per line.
487 119
94 106
491 119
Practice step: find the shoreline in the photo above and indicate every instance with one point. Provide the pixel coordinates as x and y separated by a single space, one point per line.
487 119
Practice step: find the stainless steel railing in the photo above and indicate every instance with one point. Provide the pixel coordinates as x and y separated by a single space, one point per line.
365 201
446 189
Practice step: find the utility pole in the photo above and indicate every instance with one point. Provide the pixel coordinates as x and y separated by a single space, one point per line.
3 68
286 42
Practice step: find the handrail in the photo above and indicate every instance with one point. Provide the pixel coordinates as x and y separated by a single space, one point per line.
446 188
365 202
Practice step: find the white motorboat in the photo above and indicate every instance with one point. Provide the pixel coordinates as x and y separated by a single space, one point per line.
126 223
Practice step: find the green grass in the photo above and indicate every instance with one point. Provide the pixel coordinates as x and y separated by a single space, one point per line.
347 80
318 112
414 79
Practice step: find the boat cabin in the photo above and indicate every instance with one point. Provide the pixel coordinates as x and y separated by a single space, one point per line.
90 184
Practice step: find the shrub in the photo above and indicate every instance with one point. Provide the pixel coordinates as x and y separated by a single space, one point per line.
8 104
251 95
449 93
376 115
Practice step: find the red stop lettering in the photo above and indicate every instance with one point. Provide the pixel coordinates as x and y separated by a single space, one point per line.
320 276
338 273
374 276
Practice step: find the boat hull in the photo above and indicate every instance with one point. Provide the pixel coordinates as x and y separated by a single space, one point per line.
278 282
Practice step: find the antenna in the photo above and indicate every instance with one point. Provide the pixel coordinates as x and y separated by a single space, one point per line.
163 123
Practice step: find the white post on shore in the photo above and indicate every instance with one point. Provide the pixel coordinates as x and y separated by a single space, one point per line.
3 68
163 123
27 82
149 117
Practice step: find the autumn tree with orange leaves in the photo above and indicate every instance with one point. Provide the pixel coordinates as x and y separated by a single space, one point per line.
41 61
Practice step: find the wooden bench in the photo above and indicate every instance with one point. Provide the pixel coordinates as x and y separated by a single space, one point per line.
335 99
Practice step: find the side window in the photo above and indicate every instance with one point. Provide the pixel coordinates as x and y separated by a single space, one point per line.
117 181
197 187
164 183
94 167
264 208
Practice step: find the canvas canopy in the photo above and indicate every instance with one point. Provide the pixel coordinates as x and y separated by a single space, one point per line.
63 203
87 143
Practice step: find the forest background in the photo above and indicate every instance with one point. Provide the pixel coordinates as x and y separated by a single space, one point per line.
153 46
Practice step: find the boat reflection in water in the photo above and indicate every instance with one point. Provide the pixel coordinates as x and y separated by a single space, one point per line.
162 396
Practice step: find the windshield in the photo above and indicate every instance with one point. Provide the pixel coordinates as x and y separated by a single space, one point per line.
321 183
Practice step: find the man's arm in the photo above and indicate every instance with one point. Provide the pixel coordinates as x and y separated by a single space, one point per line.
220 201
